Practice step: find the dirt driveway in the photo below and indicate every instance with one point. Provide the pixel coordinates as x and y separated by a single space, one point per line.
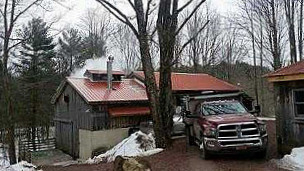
181 158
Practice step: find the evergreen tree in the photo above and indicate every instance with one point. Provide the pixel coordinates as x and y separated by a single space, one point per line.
37 75
70 52
94 46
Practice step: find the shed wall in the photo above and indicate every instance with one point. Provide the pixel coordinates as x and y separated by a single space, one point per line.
92 140
69 117
290 129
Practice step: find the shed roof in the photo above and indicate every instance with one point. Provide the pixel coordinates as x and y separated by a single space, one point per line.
194 82
128 90
289 73
92 92
128 111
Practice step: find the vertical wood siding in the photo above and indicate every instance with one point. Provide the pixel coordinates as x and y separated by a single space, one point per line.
289 128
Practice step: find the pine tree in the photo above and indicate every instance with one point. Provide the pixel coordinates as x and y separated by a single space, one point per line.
70 52
37 75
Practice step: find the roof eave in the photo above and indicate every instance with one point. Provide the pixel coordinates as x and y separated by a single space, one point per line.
282 78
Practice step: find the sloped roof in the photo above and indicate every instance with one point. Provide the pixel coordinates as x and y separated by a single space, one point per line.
92 92
134 90
194 82
293 69
290 73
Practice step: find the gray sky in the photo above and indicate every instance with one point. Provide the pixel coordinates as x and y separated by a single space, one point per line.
70 11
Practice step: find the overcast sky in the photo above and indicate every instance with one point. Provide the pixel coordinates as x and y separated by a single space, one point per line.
69 11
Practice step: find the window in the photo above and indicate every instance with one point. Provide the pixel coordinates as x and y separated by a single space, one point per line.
66 98
223 107
298 97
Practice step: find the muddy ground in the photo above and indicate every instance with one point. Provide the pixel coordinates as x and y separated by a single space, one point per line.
181 158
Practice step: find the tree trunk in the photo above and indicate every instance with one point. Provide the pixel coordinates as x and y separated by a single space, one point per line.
261 68
300 45
166 28
276 51
8 108
290 14
151 89
254 63
165 87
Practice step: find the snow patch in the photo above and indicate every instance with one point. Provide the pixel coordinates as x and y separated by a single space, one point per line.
293 161
4 161
138 144
21 166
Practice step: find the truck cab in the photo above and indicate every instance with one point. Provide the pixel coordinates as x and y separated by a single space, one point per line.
224 125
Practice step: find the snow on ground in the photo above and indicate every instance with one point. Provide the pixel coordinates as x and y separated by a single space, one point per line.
21 166
138 144
294 161
4 161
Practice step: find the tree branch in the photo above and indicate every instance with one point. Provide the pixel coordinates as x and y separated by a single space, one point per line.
112 9
193 37
25 9
14 45
184 6
147 12
189 17
132 5
5 17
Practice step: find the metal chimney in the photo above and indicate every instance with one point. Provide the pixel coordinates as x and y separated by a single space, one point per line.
109 72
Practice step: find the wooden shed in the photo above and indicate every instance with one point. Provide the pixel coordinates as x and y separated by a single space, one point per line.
288 85
89 106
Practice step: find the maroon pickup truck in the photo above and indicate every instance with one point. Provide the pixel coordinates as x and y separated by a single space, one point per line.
225 126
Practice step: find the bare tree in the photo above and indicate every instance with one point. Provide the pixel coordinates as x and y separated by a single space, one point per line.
233 48
167 28
126 42
300 30
11 11
142 34
97 29
204 48
289 7
269 10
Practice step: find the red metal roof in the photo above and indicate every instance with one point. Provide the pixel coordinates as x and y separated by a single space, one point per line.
104 72
125 90
293 69
129 111
194 82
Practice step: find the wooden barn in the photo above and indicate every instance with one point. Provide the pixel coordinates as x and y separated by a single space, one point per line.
288 85
96 111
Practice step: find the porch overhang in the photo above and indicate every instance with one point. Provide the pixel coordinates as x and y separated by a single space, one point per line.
128 111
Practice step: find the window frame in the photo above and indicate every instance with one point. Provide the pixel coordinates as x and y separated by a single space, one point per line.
294 103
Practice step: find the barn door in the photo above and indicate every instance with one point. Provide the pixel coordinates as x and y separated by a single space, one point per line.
64 136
